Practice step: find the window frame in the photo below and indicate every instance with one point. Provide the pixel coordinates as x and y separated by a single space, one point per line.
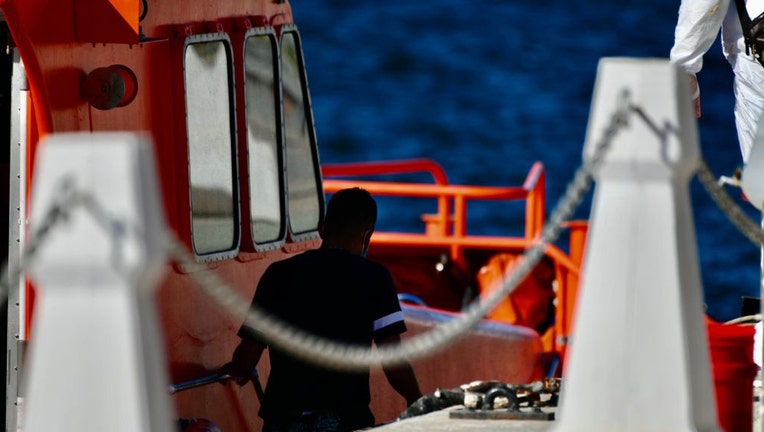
280 143
236 211
308 107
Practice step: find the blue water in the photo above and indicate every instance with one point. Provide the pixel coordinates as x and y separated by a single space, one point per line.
487 87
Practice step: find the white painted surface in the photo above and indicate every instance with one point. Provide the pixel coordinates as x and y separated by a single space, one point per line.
95 362
752 181
639 359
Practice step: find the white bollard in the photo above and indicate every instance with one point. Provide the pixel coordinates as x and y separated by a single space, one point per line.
95 362
752 181
753 187
639 357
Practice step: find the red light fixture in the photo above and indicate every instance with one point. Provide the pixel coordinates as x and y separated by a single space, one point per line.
110 87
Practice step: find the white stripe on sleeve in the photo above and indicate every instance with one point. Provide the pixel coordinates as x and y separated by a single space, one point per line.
387 320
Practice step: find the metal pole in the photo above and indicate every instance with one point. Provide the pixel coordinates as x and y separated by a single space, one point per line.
16 337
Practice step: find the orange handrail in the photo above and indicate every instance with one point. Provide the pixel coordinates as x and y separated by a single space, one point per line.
532 190
535 207
387 167
450 230
419 190
396 167
491 242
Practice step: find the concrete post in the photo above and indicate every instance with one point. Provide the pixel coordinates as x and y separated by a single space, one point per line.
639 358
753 187
752 180
95 361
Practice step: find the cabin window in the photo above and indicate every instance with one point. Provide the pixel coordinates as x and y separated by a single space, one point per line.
303 175
266 200
211 146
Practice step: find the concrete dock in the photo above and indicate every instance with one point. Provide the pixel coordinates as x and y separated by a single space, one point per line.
441 421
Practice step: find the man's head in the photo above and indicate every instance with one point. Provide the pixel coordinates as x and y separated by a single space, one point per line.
350 218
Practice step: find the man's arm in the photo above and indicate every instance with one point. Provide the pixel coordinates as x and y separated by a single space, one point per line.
696 30
401 377
245 358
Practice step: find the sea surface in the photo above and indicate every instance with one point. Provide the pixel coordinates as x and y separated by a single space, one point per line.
488 87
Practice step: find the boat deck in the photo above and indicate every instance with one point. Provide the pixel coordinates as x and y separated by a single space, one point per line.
440 421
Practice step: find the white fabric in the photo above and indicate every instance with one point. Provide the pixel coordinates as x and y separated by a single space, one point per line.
697 28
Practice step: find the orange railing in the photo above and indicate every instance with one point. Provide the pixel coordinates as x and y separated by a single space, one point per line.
444 223
449 228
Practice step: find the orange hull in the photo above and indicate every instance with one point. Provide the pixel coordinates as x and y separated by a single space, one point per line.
62 42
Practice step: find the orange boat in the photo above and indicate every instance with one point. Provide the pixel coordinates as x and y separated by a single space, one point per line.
220 86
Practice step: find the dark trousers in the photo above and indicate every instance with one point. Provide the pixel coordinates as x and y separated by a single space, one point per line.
313 422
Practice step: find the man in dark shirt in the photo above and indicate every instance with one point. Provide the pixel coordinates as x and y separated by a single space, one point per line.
336 293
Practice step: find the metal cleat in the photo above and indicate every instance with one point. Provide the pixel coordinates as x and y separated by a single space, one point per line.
513 402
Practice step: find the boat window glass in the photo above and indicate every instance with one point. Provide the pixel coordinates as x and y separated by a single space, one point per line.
303 177
263 131
211 146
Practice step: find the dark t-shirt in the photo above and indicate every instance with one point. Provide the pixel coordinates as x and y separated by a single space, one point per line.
336 295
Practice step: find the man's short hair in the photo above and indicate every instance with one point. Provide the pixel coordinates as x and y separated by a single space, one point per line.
350 210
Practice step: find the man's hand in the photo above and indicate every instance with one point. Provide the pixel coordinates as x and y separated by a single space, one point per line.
237 372
243 361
